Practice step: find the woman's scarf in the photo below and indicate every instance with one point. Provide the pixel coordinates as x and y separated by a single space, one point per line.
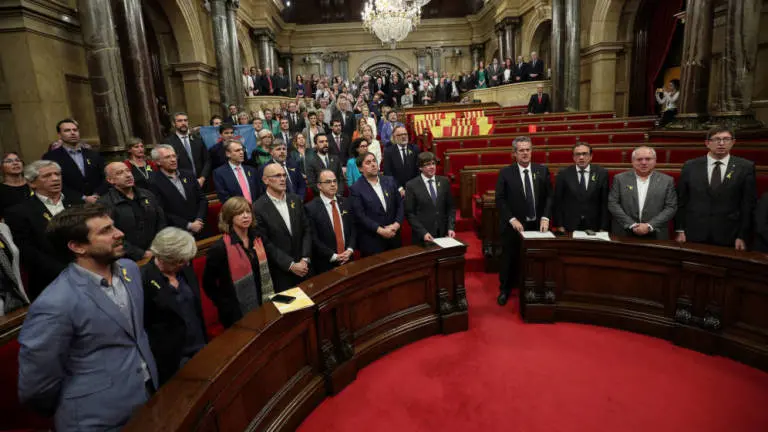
242 274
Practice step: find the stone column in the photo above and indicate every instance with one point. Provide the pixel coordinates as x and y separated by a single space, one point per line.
558 55
500 38
437 54
327 60
136 64
223 51
234 46
573 55
105 71
509 39
262 39
735 89
288 59
344 65
273 55
696 65
477 54
421 60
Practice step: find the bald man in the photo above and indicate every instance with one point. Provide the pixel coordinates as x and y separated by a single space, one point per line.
281 218
136 211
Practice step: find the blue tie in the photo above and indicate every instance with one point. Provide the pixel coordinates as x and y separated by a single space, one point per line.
531 213
432 190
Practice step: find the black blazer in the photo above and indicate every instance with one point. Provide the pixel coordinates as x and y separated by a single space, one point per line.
510 194
202 161
572 203
139 219
179 210
521 70
347 127
426 216
265 79
163 320
721 216
345 144
537 69
323 237
42 262
92 182
539 108
297 183
298 125
217 281
283 247
761 224
313 165
370 215
393 164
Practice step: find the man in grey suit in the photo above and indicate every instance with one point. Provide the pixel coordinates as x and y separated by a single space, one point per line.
84 354
428 203
642 201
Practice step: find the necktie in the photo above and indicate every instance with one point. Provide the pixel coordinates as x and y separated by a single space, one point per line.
294 118
717 178
243 184
338 142
337 231
432 192
269 80
539 98
325 161
531 213
289 183
582 183
188 148
402 150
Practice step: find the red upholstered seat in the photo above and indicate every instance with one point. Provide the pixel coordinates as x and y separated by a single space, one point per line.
485 181
12 414
634 137
757 155
212 218
454 162
611 156
496 158
554 156
499 142
210 313
762 184
679 155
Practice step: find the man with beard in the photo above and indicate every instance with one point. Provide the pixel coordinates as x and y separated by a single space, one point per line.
82 169
295 183
84 355
192 154
135 211
321 160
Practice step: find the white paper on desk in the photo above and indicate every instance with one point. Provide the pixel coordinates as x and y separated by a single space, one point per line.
582 235
537 235
447 242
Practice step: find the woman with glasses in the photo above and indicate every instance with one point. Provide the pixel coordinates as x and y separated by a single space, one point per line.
137 162
14 188
359 148
236 276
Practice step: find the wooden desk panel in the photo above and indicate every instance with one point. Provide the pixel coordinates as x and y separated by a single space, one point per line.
706 298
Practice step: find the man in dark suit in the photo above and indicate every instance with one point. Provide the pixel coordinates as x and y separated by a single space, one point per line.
521 70
217 154
581 194
285 133
338 141
233 112
295 119
283 83
539 103
28 222
82 169
333 231
295 183
443 90
401 159
345 117
377 208
235 178
322 159
268 85
494 73
716 195
190 151
642 201
281 219
179 194
535 68
429 204
524 202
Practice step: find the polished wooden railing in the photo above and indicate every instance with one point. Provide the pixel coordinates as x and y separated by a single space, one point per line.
707 298
269 371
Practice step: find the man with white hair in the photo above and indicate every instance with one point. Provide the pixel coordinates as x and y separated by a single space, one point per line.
535 68
29 220
642 201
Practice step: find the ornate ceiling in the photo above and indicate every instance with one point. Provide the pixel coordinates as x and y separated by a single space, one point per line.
339 11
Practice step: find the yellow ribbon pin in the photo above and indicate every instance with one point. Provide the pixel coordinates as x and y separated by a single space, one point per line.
125 274
47 216
594 177
184 180
2 245
629 187
293 204
729 175
146 201
88 161
155 284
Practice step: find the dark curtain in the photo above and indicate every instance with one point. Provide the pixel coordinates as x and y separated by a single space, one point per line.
661 32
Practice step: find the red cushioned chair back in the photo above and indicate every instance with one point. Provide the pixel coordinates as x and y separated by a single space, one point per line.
485 181
210 313
762 184
12 414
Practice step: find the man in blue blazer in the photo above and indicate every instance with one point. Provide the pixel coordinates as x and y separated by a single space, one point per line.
295 182
377 208
227 178
82 170
331 245
84 354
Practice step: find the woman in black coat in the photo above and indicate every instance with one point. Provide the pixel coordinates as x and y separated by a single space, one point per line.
173 314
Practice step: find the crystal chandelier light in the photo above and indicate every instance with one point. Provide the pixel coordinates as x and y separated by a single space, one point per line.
392 20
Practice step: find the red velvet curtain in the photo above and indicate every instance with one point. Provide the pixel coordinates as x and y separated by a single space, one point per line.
661 31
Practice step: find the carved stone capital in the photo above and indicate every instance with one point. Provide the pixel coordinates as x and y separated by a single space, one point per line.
233 4
327 58
477 48
421 52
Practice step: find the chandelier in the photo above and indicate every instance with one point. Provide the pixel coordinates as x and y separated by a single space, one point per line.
392 20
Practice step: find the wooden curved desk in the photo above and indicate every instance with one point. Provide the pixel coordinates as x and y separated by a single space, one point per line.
269 371
707 298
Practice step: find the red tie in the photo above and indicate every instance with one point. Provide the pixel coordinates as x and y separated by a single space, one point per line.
243 184
539 98
269 80
337 228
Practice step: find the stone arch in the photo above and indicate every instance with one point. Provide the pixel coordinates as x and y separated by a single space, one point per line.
604 26
246 50
541 42
383 59
185 22
542 14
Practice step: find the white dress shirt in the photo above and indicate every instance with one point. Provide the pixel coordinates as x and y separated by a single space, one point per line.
711 167
282 207
426 180
53 208
327 203
668 101
586 176
245 175
530 179
379 192
642 192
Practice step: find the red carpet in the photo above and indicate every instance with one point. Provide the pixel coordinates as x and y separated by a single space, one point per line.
503 375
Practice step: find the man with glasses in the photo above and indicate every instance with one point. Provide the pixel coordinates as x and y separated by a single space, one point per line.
280 216
429 204
400 159
581 194
333 231
716 195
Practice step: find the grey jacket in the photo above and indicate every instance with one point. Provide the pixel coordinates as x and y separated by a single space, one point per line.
659 208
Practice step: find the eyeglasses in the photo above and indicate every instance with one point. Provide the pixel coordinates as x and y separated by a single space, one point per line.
10 161
723 140
329 182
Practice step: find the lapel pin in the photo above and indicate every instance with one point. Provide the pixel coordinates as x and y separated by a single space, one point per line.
31 193
47 216
293 204
125 274
730 174
249 173
155 284
184 180
88 161
594 177
2 245
146 201
629 187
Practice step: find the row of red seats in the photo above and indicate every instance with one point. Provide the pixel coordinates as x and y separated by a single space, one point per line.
590 125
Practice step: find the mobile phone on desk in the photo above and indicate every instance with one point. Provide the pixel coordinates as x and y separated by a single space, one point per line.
282 298
590 232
